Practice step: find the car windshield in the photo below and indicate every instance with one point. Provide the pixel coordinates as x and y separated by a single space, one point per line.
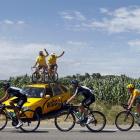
33 92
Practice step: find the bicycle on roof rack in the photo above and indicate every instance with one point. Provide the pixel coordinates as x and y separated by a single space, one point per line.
42 75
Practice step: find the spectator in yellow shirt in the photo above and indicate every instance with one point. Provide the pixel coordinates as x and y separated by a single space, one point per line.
52 62
41 60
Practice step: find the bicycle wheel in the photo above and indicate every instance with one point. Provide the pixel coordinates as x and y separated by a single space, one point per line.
124 121
30 119
98 121
46 77
64 121
35 77
54 77
3 120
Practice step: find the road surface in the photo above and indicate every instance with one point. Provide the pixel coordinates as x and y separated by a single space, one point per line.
49 132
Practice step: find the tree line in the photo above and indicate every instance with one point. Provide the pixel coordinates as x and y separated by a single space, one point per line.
110 89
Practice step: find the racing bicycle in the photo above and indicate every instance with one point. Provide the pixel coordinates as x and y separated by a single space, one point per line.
30 118
125 119
66 119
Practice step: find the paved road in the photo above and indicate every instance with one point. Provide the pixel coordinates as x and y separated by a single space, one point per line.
51 133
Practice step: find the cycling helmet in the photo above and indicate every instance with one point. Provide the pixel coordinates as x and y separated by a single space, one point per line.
130 86
75 82
6 85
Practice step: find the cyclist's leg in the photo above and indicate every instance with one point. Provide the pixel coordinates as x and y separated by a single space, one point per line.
87 103
16 100
82 111
37 69
51 67
40 68
21 102
44 67
81 107
55 68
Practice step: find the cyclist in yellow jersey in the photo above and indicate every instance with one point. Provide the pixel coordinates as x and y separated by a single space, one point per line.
134 97
41 61
52 62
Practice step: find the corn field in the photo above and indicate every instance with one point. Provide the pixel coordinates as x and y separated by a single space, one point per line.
109 89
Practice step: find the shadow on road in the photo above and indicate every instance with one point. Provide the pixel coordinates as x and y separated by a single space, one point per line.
38 131
104 131
87 131
17 131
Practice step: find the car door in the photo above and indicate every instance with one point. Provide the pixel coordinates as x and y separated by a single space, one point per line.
57 96
52 103
65 95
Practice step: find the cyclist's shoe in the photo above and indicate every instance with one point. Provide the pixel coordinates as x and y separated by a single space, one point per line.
19 124
89 120
78 122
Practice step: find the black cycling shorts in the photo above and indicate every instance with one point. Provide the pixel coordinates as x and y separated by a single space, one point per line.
20 101
88 101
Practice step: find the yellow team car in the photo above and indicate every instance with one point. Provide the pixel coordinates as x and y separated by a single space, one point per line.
44 98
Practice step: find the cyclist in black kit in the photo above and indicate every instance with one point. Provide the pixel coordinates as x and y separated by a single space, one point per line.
20 100
89 98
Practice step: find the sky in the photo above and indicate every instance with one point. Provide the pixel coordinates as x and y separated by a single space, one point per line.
98 36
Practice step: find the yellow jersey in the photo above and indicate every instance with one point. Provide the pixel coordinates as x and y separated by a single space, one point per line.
41 60
52 59
136 93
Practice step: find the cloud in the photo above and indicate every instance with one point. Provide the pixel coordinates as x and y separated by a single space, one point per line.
77 43
9 22
17 58
12 22
134 46
72 15
134 43
123 19
104 10
20 22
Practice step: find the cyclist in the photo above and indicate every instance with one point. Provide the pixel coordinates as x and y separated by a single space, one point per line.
20 100
89 98
52 64
41 61
134 97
